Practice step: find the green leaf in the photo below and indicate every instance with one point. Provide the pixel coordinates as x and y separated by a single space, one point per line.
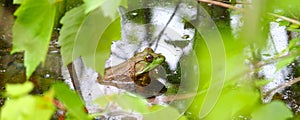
32 31
18 1
294 26
293 29
103 101
103 49
93 4
268 55
71 100
72 22
284 23
95 38
88 36
18 108
126 101
28 108
234 102
110 9
166 113
293 43
130 102
16 90
261 83
284 62
275 110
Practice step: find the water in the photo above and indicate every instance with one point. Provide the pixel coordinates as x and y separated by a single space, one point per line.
12 69
175 42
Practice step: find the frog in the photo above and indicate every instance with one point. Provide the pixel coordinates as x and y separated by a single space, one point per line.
134 74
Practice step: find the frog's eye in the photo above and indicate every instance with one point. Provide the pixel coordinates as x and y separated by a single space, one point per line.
149 58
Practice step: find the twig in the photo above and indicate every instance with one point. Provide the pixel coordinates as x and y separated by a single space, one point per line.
221 4
234 2
240 9
280 87
286 18
74 78
163 30
172 98
272 60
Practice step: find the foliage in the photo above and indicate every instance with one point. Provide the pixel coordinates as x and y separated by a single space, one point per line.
133 103
239 96
86 25
32 31
28 107
74 19
71 101
33 38
96 21
293 52
288 9
21 106
266 112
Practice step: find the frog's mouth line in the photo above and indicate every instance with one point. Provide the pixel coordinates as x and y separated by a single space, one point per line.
142 71
148 67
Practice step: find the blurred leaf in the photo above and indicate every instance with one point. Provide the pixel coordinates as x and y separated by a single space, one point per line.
235 102
130 102
256 23
267 55
28 108
126 101
182 117
293 29
165 113
284 23
113 32
293 43
275 110
103 101
284 62
92 5
294 26
32 31
110 9
90 43
72 22
261 83
88 36
18 1
16 90
288 8
71 100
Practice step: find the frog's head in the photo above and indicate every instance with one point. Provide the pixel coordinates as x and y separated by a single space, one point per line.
147 61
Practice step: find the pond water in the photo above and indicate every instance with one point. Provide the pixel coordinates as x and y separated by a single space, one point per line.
175 44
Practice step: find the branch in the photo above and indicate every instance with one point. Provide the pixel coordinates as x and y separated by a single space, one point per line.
240 9
172 98
163 30
221 4
272 60
271 92
286 18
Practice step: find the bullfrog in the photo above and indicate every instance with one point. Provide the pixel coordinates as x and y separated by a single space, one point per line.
134 74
